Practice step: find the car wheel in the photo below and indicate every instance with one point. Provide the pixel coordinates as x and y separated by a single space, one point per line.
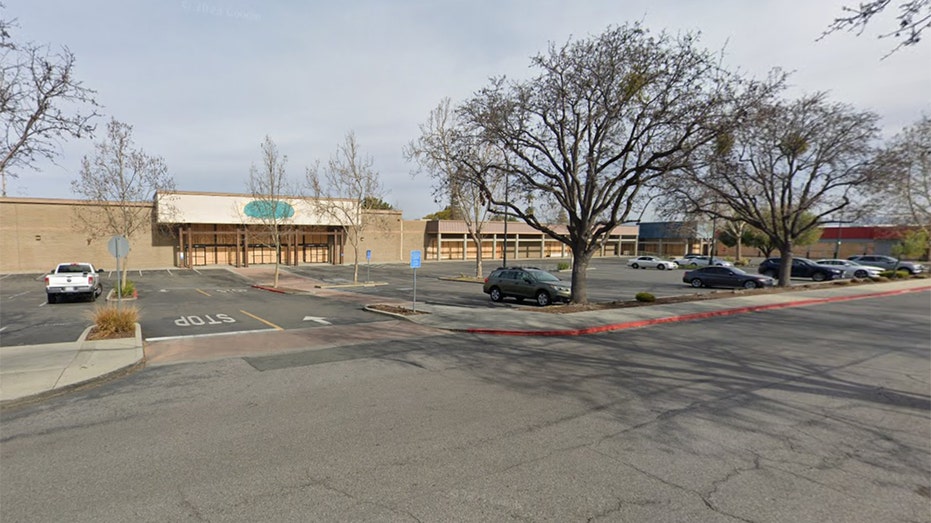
52 299
92 296
543 298
818 276
661 267
860 274
750 284
693 265
495 294
635 265
696 282
771 274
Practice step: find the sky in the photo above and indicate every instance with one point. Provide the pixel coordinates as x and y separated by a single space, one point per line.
203 82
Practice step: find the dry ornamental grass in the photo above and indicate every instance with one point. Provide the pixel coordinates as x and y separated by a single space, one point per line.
113 322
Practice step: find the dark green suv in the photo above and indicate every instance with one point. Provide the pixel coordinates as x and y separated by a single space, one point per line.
526 282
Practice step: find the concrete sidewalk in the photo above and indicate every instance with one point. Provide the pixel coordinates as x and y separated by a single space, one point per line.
43 370
35 372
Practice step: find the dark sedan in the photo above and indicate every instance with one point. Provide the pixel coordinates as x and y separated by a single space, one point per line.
725 277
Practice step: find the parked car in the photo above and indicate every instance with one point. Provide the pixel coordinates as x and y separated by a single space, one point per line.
853 268
713 276
802 268
702 261
888 263
526 282
73 279
651 262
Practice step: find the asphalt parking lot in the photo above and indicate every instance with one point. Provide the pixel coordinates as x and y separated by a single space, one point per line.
216 301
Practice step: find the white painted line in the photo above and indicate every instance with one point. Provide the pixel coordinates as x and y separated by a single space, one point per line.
162 338
15 295
3 328
195 270
317 319
169 272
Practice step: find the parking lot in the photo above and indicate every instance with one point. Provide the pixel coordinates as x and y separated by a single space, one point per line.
216 301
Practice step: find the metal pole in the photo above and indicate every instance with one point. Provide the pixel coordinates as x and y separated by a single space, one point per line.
506 193
414 303
837 245
119 282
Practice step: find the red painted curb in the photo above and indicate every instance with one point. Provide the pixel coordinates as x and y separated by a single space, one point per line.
688 317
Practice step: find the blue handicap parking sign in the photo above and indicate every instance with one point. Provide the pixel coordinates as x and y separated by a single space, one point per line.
415 259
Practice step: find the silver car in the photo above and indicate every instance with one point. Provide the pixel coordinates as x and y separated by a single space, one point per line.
702 261
888 263
853 269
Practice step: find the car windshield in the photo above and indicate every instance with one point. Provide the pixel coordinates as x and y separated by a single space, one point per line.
543 276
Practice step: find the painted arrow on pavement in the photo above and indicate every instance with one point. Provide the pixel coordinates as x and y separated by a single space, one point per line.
316 319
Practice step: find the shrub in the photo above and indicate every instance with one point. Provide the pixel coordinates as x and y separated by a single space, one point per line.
894 275
645 297
562 266
114 322
129 288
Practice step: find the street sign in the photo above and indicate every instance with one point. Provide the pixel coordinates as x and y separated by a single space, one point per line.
368 254
118 246
415 259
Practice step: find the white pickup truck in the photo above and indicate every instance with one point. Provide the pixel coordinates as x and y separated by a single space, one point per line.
74 279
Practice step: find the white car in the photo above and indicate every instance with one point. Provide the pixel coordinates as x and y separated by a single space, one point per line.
649 262
853 269
702 261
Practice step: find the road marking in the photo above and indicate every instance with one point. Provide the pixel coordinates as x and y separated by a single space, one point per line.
15 295
163 338
3 328
266 322
202 292
317 319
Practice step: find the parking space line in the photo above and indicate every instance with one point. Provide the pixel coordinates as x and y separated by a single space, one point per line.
202 292
266 322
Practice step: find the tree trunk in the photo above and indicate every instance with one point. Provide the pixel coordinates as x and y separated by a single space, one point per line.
125 276
478 255
277 261
580 258
785 265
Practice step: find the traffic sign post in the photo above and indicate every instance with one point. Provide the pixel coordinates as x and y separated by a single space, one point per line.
415 264
368 265
119 248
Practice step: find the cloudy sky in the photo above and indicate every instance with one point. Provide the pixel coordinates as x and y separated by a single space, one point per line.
203 81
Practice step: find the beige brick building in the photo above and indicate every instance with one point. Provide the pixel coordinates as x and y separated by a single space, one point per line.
191 229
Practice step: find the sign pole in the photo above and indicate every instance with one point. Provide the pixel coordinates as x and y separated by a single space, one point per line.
415 263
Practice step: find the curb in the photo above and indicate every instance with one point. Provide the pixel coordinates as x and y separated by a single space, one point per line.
687 317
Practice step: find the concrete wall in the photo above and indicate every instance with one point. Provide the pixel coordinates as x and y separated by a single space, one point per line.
389 237
36 234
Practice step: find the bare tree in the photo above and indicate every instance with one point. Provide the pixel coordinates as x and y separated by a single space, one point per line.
603 118
792 164
123 181
41 102
439 152
914 16
349 176
908 193
269 187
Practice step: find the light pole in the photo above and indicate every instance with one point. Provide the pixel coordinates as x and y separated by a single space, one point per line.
837 241
504 261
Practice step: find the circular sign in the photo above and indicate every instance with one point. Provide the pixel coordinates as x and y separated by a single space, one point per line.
118 246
